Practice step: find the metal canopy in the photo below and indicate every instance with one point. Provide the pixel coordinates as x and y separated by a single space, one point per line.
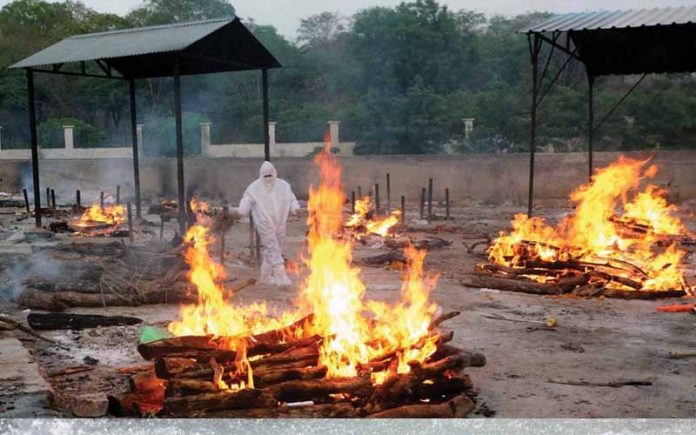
174 50
202 47
644 41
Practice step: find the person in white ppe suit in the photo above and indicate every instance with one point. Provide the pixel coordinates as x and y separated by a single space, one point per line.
270 200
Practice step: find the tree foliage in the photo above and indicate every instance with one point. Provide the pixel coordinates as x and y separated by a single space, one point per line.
400 79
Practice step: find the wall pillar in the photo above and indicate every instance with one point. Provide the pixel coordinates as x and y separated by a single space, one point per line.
141 143
468 127
205 138
68 138
272 132
334 133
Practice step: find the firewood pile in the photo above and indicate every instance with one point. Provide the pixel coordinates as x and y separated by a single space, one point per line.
272 377
608 277
91 274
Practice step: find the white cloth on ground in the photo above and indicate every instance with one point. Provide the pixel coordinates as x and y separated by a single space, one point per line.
270 199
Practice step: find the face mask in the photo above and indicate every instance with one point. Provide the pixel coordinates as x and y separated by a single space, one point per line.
268 182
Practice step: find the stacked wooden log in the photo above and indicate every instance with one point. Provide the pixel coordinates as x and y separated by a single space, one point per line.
610 278
289 381
91 273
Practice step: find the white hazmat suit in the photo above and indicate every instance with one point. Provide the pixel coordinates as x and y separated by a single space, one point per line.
269 200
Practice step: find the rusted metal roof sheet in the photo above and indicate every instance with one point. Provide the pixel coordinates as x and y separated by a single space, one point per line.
202 47
615 19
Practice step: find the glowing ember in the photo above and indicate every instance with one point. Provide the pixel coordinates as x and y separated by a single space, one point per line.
365 221
354 331
611 224
110 215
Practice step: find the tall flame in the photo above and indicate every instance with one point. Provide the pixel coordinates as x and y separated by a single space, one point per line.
213 314
334 292
610 223
354 330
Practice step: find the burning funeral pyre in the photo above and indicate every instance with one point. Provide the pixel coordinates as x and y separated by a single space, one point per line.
101 220
618 242
335 354
366 221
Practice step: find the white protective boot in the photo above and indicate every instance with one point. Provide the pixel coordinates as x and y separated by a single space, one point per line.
266 273
280 277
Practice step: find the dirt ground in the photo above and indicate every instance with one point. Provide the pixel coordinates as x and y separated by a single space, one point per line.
528 366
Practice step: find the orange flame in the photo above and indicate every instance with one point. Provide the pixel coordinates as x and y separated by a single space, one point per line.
596 232
354 330
110 214
213 314
334 292
362 221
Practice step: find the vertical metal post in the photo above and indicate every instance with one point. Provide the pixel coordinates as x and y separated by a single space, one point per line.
447 203
252 238
403 208
266 134
352 201
134 144
377 197
34 148
422 203
118 196
590 123
130 221
26 203
181 197
534 46
78 201
48 197
430 200
101 200
222 236
53 199
388 194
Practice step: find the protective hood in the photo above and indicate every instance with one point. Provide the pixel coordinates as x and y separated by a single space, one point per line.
268 174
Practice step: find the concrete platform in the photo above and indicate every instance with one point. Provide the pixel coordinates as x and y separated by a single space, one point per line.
23 390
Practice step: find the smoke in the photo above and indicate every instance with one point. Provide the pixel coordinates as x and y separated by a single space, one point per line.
21 267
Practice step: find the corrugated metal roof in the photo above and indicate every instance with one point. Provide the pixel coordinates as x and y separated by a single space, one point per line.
615 19
122 43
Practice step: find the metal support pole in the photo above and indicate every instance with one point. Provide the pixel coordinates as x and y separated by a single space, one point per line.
78 201
130 221
403 208
430 200
34 148
53 199
181 196
252 239
388 194
134 144
377 197
422 204
48 197
590 123
26 203
447 203
266 134
118 196
101 200
352 201
222 237
534 45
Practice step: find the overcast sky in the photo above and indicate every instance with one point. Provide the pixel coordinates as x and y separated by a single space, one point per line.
286 14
